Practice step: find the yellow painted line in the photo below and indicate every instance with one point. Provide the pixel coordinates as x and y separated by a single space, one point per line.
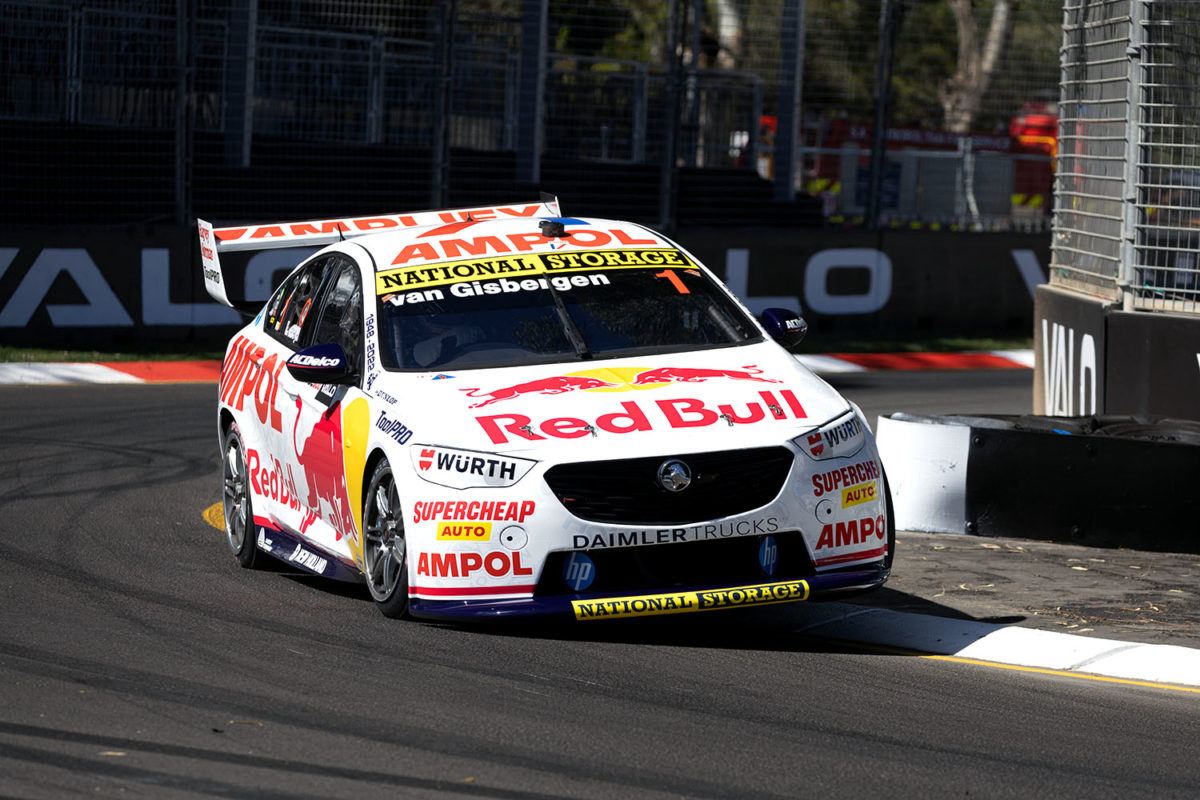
214 515
899 651
1081 675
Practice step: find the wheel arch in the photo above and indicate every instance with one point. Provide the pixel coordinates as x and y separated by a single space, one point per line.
373 458
224 420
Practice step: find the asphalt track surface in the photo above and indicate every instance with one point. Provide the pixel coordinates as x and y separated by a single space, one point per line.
137 660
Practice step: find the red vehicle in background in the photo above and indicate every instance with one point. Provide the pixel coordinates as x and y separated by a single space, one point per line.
1035 129
1031 140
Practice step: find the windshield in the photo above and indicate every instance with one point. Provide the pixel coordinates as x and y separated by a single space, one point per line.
552 307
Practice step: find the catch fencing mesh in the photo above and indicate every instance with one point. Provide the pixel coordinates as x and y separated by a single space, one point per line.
128 112
1127 217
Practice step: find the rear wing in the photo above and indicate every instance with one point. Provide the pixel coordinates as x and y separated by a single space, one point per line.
214 241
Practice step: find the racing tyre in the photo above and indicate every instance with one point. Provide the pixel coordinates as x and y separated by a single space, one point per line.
384 548
239 513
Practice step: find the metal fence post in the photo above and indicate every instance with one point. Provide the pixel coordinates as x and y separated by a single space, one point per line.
74 66
375 93
185 88
791 71
1127 276
439 145
690 137
668 171
530 105
754 145
509 111
640 104
239 82
890 12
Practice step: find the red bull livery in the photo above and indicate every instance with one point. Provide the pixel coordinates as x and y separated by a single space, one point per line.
502 411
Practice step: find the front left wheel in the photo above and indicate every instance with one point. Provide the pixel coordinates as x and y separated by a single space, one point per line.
384 548
239 512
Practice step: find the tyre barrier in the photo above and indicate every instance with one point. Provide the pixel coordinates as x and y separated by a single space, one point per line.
1104 481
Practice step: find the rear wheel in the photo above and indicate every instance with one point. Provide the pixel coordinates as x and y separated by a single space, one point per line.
384 546
239 513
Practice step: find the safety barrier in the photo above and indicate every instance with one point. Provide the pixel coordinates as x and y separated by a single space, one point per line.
105 287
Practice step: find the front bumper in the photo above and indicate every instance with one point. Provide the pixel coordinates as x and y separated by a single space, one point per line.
616 605
780 529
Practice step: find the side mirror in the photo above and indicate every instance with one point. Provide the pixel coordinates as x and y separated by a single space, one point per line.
786 327
321 363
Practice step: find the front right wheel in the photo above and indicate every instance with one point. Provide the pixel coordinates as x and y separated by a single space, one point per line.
384 550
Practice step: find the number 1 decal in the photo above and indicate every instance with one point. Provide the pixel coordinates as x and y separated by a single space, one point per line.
670 275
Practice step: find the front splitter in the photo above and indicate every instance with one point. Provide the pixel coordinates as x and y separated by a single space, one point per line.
675 601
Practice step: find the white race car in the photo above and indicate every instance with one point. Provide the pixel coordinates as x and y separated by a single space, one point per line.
503 411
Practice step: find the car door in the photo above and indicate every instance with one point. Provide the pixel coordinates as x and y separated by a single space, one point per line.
250 386
317 450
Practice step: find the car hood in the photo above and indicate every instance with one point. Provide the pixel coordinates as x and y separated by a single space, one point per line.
725 398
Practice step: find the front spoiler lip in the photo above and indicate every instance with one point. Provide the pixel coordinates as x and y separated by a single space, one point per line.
819 587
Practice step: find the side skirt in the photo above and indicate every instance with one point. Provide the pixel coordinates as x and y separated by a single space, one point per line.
290 549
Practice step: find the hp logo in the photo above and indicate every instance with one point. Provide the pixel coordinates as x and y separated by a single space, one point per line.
768 555
578 571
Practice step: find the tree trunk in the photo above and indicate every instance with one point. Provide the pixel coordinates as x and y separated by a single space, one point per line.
961 94
728 30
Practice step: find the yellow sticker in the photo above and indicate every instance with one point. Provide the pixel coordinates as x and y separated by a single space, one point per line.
458 531
859 493
684 602
525 267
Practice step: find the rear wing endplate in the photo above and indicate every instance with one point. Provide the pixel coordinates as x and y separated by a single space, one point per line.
214 241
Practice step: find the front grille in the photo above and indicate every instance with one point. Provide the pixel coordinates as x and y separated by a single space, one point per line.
628 490
683 564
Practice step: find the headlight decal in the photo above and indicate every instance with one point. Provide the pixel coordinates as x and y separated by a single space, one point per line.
842 437
467 469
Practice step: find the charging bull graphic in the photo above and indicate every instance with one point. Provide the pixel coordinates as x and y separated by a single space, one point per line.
696 375
625 379
321 458
557 384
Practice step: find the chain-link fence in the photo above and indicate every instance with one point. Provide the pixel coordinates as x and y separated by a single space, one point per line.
1127 221
117 111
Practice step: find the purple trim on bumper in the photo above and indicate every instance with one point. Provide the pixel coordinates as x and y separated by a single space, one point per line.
819 586
291 550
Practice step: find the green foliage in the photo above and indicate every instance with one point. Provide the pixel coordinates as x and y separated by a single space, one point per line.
840 49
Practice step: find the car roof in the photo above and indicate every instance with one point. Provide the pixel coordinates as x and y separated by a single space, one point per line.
460 241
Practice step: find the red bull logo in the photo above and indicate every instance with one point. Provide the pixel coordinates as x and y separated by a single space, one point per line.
693 375
558 384
621 379
680 412
320 456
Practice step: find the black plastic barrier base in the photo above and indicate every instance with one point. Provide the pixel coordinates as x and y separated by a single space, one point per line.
1092 358
1105 481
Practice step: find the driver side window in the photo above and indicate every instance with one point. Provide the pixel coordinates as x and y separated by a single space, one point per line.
341 315
290 312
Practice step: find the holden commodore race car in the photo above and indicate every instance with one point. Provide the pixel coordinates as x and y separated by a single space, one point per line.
500 411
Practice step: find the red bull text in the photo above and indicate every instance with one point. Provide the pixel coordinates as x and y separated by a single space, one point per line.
681 412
